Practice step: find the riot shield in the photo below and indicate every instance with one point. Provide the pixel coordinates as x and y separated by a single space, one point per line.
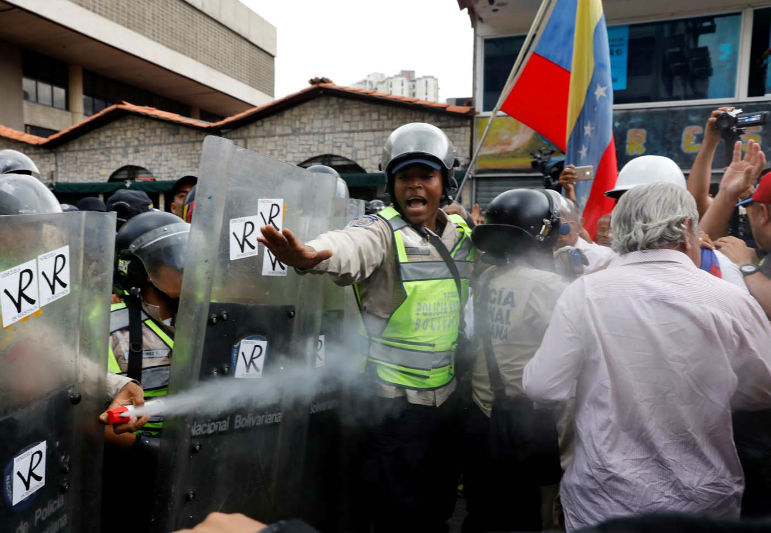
246 322
55 282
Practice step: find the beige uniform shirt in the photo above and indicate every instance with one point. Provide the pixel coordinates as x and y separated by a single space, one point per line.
364 253
519 310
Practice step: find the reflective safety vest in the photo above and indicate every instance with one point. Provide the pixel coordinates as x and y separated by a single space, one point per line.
155 379
416 350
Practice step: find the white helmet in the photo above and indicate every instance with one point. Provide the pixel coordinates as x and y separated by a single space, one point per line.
647 169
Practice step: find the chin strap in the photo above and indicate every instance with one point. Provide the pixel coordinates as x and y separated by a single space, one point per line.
134 306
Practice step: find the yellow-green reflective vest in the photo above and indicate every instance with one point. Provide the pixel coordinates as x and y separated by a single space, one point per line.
416 350
155 379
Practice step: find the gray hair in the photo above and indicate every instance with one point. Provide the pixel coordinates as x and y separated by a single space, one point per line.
652 216
564 207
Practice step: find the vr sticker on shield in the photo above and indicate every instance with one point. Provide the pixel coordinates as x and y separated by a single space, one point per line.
248 357
24 475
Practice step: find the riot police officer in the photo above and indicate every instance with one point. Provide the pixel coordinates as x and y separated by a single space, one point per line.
513 300
410 266
149 256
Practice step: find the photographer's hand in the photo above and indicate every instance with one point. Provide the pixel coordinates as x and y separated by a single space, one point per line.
568 181
701 171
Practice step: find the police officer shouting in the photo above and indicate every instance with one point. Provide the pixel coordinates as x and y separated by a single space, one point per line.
409 265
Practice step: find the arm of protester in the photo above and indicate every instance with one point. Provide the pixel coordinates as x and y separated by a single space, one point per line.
705 241
457 209
739 176
701 171
568 181
551 374
751 360
737 251
130 394
477 216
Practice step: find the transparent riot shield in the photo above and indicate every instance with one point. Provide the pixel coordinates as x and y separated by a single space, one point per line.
55 282
245 323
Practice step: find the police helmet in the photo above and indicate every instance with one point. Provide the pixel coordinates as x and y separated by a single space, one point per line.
14 162
517 219
647 169
418 143
21 194
341 190
151 246
189 205
374 206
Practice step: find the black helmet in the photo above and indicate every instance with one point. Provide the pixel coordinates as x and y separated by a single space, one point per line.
518 219
13 162
21 194
189 205
151 246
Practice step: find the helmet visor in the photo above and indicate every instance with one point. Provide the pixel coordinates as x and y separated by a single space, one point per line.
21 194
162 252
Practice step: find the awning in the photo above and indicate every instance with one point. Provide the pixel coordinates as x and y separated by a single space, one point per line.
107 187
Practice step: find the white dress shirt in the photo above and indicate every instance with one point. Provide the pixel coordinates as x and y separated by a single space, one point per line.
597 255
656 353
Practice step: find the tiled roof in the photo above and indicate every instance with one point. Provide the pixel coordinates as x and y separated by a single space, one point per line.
337 90
115 111
16 135
109 114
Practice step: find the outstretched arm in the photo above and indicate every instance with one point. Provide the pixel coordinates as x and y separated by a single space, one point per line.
289 250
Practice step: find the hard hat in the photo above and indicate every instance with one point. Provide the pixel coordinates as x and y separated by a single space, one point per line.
22 194
151 246
418 143
15 162
647 169
516 219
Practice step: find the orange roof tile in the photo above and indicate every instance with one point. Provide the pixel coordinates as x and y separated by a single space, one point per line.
16 135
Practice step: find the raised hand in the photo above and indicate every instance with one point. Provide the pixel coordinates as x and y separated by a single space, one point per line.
289 250
742 174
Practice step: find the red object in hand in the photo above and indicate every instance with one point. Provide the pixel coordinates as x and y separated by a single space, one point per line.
114 415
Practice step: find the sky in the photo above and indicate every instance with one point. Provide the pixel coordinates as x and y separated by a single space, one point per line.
345 40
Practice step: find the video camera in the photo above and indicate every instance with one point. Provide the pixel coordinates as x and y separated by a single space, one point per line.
733 124
551 170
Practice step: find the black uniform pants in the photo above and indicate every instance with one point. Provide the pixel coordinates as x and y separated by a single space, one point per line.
500 495
411 466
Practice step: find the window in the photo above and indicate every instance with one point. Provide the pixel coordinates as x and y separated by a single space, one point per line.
341 164
500 54
131 172
39 131
760 54
100 92
45 80
685 59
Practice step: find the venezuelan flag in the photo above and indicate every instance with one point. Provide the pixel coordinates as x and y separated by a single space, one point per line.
563 90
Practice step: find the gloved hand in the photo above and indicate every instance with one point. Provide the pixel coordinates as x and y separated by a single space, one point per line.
569 262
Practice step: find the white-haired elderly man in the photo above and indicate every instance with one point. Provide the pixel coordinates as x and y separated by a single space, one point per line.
571 229
655 353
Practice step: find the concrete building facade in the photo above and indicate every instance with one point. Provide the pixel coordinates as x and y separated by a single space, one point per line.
403 84
64 60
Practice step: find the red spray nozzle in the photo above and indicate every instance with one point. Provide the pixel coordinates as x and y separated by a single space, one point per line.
119 415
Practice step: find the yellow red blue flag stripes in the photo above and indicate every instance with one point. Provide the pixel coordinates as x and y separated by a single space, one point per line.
564 92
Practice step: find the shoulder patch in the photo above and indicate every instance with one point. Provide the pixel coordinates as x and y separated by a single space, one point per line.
362 221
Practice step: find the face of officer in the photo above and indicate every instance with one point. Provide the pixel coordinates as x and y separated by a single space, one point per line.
179 198
418 190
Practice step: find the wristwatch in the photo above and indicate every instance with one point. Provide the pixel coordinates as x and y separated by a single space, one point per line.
748 269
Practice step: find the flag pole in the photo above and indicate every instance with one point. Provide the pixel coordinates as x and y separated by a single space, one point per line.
523 52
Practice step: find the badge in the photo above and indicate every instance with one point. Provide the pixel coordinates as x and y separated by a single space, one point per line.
362 221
